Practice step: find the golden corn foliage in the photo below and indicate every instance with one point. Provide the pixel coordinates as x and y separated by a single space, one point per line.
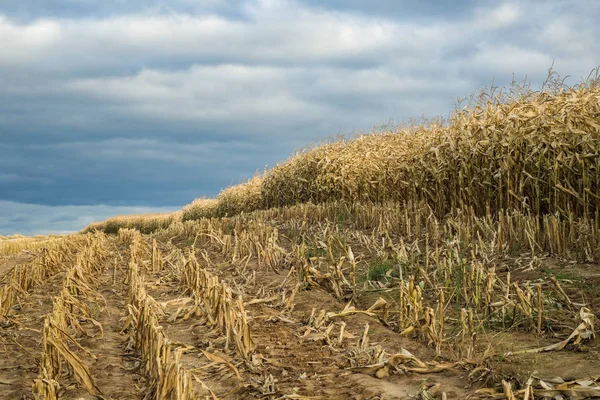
240 198
539 154
200 208
145 223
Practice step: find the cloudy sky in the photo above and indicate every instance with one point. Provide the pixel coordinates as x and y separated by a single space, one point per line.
118 106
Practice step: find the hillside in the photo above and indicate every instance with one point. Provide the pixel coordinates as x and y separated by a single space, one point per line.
449 260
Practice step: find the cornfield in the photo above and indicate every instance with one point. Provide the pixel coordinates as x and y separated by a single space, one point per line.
537 154
455 260
145 223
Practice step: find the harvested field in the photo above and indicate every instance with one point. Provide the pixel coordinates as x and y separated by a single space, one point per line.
455 261
311 301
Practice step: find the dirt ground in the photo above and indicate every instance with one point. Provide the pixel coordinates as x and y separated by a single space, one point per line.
9 262
292 359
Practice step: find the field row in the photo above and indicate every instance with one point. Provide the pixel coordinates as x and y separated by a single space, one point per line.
284 306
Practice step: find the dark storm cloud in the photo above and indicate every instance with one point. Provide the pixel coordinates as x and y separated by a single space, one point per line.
109 106
123 171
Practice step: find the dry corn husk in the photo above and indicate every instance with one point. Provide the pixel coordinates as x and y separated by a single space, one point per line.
403 361
585 388
584 331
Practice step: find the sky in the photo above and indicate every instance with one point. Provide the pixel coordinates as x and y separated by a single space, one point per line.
126 106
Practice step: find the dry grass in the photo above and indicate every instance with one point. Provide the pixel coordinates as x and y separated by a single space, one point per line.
145 223
14 244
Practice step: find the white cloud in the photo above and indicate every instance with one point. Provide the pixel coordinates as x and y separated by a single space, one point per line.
283 64
140 50
279 97
268 35
505 59
274 32
498 17
22 44
560 35
228 93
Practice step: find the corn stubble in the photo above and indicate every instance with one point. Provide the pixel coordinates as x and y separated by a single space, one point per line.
214 299
59 354
14 244
160 357
46 264
447 289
